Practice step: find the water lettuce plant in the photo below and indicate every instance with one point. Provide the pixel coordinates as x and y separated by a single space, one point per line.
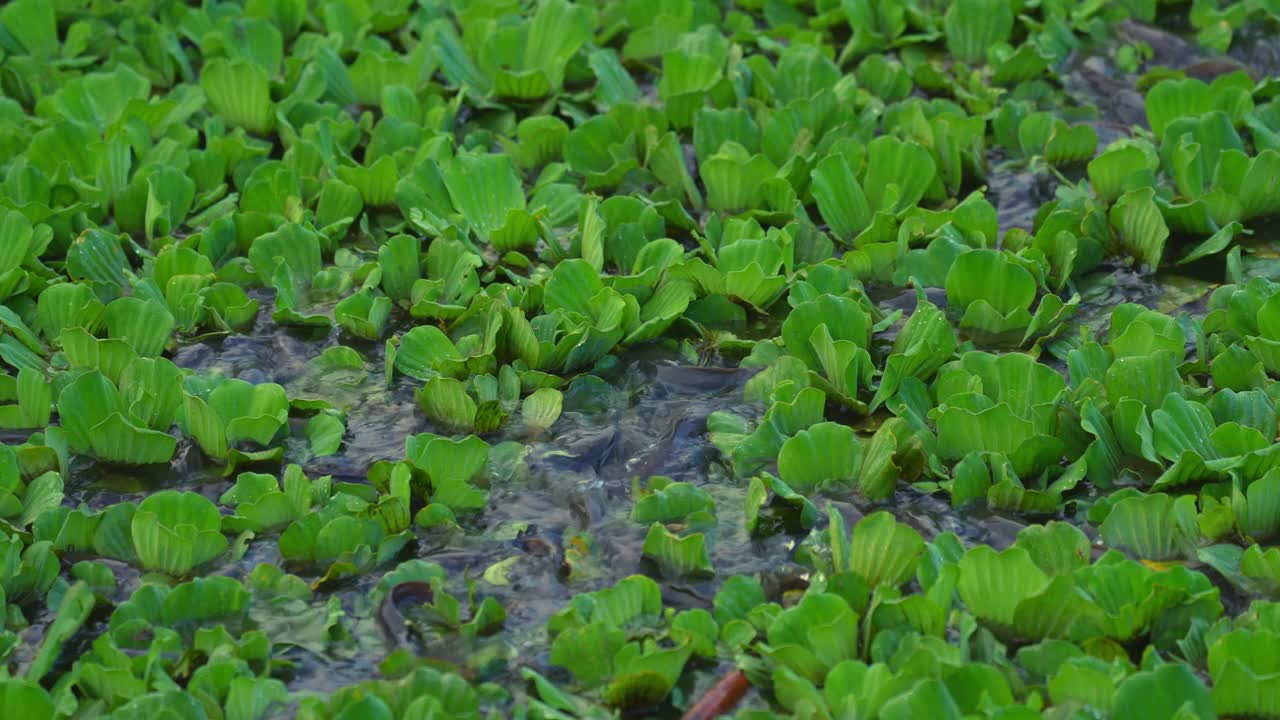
96 419
762 359
175 532
235 411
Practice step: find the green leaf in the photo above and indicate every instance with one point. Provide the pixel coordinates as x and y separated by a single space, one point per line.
1182 425
1145 526
169 196
293 246
240 92
925 342
671 502
712 128
1215 243
992 584
1145 379
588 652
1258 566
446 402
928 698
996 429
230 305
893 446
881 550
558 28
684 83
250 412
613 85
175 532
146 325
324 433
1171 99
92 413
541 408
899 172
261 504
451 466
887 79
988 276
841 201
667 163
1244 665
843 318
376 181
98 256
1057 547
22 696
77 602
34 25
425 351
973 26
35 402
735 179
337 207
1170 690
67 305
363 315
398 259
1257 509
484 188
1140 225
602 151
676 556
826 454
1111 171
804 638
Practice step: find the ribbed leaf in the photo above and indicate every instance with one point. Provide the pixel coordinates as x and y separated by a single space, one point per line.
992 584
1144 526
825 454
906 167
483 188
881 550
1141 228
973 26
146 325
239 91
174 532
446 402
676 556
840 198
542 408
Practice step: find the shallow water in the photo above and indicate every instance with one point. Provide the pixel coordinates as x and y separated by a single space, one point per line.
572 494
572 490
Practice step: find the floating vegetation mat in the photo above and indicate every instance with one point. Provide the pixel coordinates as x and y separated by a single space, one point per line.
539 359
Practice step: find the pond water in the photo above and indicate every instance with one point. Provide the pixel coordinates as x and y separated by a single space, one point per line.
557 522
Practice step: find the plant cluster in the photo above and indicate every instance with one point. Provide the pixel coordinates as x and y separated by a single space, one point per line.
489 207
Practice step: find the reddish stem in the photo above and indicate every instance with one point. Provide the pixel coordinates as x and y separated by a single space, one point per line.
721 698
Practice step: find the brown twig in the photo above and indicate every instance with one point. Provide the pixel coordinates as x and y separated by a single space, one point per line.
721 698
